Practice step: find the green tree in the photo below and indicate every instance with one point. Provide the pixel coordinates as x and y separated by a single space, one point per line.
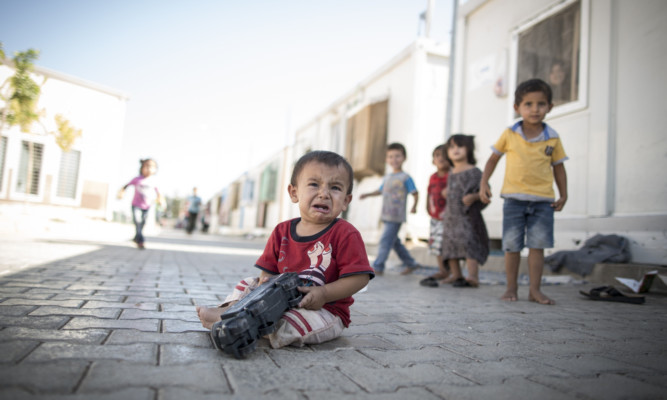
19 96
20 93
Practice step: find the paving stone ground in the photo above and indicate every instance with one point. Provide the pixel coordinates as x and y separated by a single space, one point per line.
104 320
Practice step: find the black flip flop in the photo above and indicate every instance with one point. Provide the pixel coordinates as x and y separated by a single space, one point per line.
610 293
460 282
429 282
463 283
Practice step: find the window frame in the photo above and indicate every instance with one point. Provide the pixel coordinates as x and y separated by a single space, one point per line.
584 28
77 177
41 185
3 161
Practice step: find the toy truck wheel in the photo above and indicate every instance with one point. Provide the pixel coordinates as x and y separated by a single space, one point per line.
215 332
235 328
242 352
257 308
267 329
294 303
288 286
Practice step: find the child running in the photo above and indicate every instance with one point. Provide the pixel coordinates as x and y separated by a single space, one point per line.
464 234
435 205
145 194
394 190
328 254
535 158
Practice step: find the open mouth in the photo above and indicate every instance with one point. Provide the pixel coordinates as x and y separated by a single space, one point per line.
321 207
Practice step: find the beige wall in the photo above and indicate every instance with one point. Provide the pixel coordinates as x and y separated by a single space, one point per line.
100 113
639 105
415 84
614 139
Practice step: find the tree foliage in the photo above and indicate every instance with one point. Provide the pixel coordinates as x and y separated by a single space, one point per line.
20 93
66 134
20 97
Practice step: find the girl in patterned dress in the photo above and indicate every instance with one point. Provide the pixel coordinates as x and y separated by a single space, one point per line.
464 235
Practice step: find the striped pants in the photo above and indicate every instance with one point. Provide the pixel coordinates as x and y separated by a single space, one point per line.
297 326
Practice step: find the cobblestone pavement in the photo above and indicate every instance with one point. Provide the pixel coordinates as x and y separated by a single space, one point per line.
112 322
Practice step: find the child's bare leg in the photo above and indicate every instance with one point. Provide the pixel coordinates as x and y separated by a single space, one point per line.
535 268
473 272
454 269
512 260
210 315
443 271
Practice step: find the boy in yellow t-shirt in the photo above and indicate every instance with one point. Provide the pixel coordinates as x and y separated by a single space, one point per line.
535 159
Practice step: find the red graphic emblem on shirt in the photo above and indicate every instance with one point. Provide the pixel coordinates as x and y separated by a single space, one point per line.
320 258
283 244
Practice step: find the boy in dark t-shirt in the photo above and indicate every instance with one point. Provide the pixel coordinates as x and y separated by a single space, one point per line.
326 252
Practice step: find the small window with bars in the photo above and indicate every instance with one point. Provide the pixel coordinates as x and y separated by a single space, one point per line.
3 157
30 167
68 176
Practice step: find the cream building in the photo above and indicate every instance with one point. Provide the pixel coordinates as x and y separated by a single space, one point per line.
604 59
34 170
403 101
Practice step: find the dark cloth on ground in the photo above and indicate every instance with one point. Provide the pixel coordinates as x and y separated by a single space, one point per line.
598 249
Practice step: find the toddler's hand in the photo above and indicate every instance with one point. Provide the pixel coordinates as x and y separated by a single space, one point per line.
263 278
559 204
314 297
485 193
468 199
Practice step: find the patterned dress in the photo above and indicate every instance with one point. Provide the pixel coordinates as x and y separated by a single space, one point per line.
464 234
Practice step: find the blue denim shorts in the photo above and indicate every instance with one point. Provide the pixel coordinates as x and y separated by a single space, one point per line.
532 220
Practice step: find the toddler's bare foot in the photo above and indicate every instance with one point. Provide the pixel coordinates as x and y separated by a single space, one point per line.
210 315
510 295
441 277
539 297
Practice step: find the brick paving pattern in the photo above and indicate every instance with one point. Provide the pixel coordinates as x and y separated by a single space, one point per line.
118 323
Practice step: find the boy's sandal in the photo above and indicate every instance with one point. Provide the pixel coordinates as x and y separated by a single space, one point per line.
429 282
610 293
463 283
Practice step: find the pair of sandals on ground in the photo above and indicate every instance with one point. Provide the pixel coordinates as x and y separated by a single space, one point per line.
602 293
446 278
610 293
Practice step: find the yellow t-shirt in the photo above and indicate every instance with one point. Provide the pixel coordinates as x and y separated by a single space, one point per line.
528 171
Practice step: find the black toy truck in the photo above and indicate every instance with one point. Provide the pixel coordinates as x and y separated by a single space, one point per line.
255 315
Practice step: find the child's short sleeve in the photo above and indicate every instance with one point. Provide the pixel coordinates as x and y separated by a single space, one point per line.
502 143
268 261
558 155
410 185
135 181
353 260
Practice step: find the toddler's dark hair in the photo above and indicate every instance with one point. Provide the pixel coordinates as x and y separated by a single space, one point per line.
328 158
399 147
467 141
532 85
143 162
442 149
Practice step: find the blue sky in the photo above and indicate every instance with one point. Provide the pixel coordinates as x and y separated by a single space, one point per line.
215 87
